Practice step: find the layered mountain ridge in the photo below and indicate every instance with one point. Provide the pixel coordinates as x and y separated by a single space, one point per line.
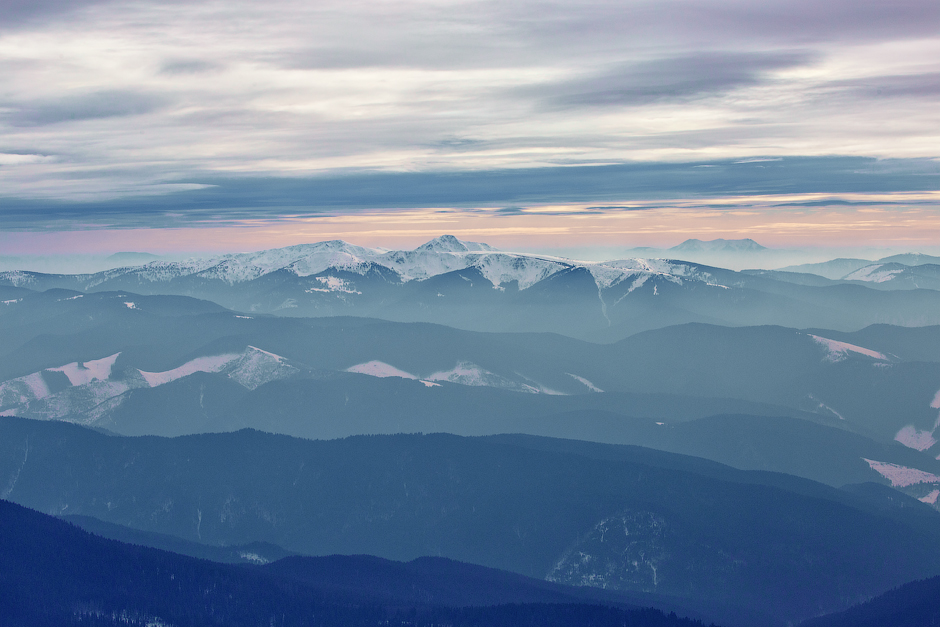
473 286
441 255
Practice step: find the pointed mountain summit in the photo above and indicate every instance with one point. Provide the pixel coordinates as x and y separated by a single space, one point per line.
718 246
450 244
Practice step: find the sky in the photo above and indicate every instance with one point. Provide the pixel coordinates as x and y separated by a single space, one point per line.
174 126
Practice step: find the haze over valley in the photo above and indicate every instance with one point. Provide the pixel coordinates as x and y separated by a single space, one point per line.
510 410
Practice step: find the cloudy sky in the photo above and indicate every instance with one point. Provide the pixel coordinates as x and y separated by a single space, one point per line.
238 125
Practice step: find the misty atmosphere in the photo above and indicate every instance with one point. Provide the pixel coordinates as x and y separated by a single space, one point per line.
469 314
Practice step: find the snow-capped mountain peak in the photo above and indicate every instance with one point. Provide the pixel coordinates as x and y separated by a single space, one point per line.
441 255
450 244
303 259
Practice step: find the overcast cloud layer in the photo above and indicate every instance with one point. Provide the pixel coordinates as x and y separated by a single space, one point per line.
106 105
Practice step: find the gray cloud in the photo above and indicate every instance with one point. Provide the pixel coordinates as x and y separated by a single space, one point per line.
836 202
102 104
727 23
913 85
188 66
669 79
21 12
623 208
499 34
286 89
230 199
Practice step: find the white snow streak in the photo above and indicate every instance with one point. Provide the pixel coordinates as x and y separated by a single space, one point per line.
96 370
901 476
930 499
333 284
21 391
911 437
200 364
873 274
380 369
254 558
585 382
36 385
837 350
935 403
467 373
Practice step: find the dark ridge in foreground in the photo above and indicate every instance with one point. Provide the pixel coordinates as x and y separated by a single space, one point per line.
915 604
746 548
54 574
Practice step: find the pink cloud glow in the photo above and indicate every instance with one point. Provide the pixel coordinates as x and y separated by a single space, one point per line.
904 221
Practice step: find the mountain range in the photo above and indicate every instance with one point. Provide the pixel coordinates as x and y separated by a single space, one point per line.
749 448
472 286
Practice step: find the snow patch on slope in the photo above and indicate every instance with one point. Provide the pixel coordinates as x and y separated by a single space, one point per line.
215 363
930 499
254 558
467 373
333 284
823 406
308 258
901 476
911 437
17 278
335 255
501 268
75 403
873 274
380 369
607 274
837 350
935 403
92 393
36 385
22 390
250 369
585 382
82 373
255 367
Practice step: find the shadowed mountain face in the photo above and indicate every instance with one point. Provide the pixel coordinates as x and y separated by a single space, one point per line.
473 286
623 518
911 605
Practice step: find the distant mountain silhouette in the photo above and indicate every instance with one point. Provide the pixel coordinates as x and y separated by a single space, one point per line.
718 246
